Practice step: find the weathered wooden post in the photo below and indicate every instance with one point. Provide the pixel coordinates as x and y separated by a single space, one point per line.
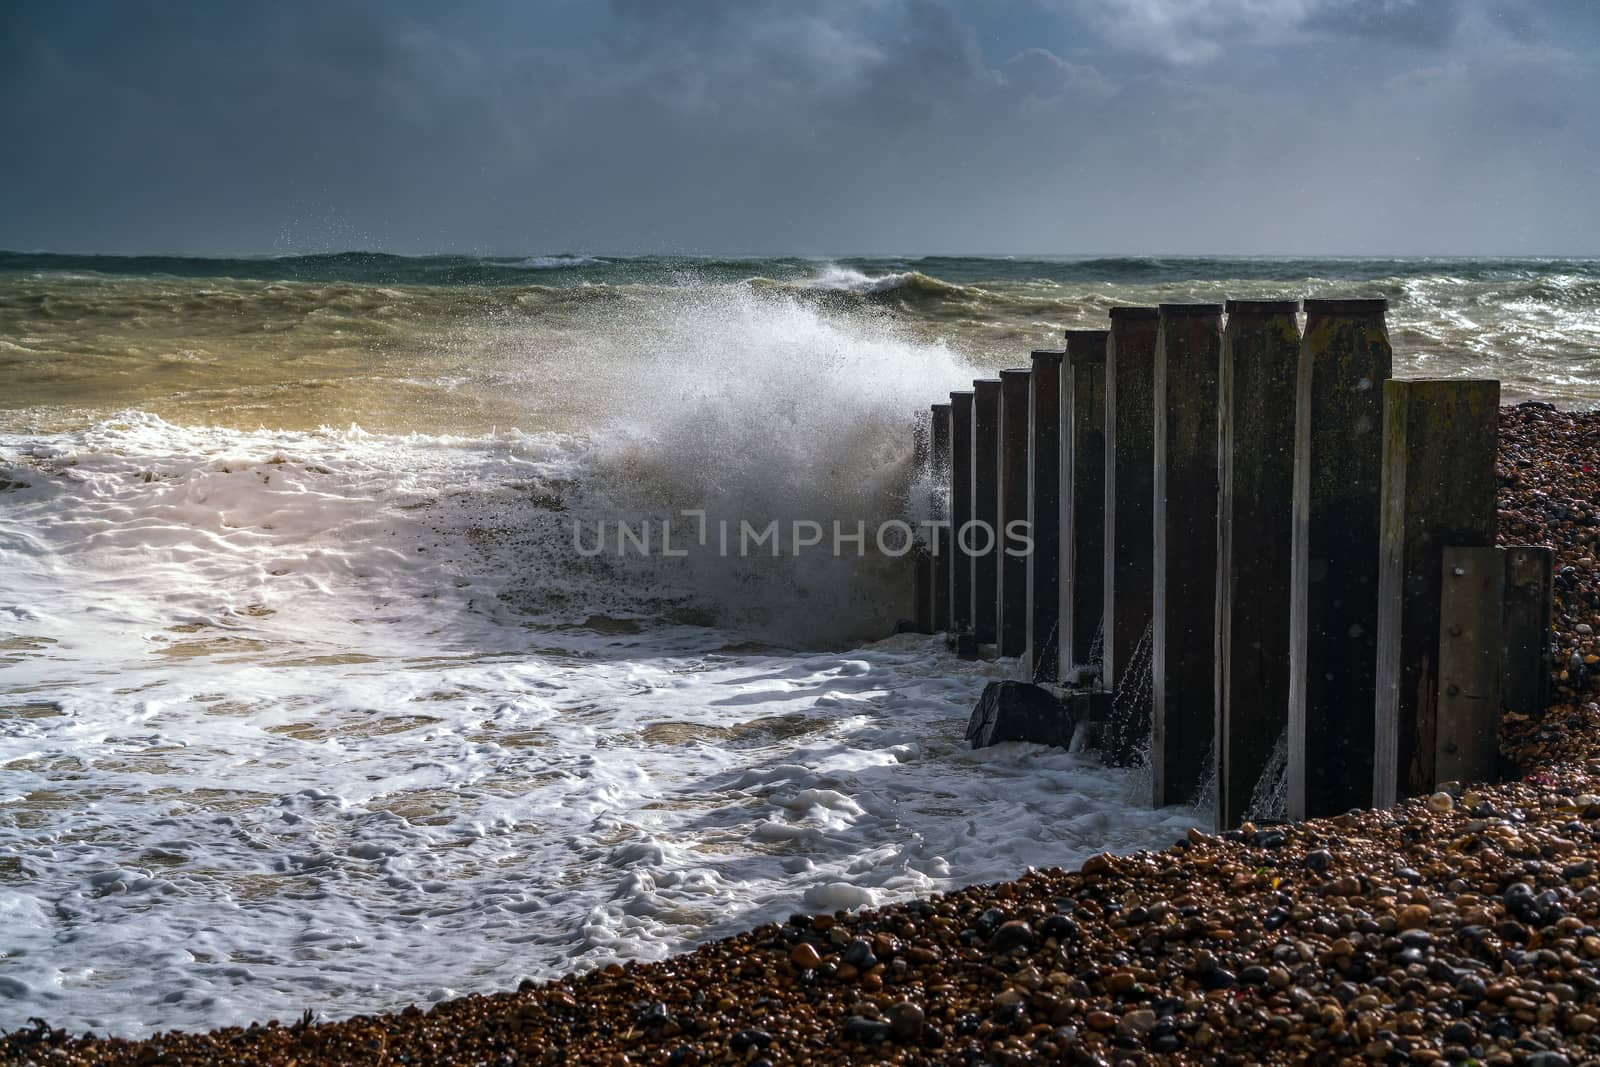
1529 589
939 539
1438 491
984 540
1183 628
1011 525
960 512
921 551
1333 620
1083 567
1044 516
1255 412
1130 525
1466 742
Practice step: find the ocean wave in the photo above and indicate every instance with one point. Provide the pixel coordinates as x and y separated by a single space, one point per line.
559 262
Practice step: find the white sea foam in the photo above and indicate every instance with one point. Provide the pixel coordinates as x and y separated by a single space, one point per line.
558 262
849 280
327 720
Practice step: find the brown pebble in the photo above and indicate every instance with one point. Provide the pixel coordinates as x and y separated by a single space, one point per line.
805 956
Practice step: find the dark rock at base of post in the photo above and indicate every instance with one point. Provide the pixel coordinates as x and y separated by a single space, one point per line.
1019 711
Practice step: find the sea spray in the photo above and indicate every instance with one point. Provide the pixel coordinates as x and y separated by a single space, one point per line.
741 409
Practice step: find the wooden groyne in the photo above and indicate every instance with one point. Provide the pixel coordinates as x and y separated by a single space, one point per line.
1256 557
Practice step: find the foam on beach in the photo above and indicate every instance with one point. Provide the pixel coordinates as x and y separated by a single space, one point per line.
277 731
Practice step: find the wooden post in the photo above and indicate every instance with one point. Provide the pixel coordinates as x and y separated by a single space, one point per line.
939 540
984 540
921 552
1044 516
1333 620
1466 746
1183 630
1012 625
960 512
1439 441
1130 525
1529 589
1083 504
1255 413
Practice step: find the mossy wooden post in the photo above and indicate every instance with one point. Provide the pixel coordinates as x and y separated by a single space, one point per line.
1466 741
983 540
1255 420
1529 589
1130 525
1183 628
1438 491
939 539
1083 564
1044 515
960 512
921 551
1333 620
1011 628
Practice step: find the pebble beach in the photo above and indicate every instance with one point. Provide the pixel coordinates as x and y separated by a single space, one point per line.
1458 928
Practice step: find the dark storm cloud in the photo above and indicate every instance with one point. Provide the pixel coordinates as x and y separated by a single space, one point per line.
720 126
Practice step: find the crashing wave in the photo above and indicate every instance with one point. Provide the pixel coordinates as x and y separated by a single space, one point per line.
558 262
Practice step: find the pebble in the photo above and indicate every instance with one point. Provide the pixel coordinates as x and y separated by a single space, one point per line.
806 957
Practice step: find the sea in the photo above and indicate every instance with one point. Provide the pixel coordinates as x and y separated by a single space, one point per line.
324 686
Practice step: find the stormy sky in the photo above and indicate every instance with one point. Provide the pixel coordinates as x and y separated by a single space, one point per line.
786 126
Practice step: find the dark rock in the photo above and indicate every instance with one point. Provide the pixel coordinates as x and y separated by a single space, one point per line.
1019 711
1014 934
749 1038
859 955
867 1031
1547 1059
1218 978
906 1021
1059 927
1319 861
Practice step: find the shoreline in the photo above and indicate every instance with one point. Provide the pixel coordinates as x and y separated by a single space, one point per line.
1408 931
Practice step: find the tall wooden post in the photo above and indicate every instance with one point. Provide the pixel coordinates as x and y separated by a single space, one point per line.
921 550
1333 621
1438 491
960 512
1011 627
1130 525
1044 515
1255 410
1183 631
984 541
940 539
1084 502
